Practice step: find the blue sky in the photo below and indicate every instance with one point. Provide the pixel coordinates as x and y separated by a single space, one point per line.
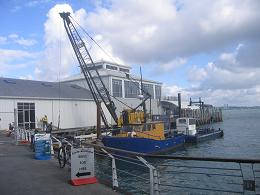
201 49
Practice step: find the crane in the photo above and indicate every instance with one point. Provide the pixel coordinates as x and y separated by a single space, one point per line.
89 70
95 83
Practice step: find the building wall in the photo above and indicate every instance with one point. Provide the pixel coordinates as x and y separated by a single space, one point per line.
73 113
6 113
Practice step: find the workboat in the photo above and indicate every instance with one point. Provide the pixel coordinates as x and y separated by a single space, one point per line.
146 138
135 133
187 126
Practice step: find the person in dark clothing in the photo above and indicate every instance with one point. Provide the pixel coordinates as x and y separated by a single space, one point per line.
49 128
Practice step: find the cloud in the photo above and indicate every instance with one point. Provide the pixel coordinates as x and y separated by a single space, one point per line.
27 77
3 40
17 39
13 36
171 66
140 32
232 78
13 60
234 70
37 3
26 42
59 57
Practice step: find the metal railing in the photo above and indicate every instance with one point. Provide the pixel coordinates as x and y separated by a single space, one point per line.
139 173
168 174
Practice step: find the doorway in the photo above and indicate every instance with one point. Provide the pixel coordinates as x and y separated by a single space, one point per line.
26 115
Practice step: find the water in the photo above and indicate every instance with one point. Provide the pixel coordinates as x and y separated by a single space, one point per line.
241 137
241 140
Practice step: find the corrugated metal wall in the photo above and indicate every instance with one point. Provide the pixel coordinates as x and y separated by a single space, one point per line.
72 113
6 113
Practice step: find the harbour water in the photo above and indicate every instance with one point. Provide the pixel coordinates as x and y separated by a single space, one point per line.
241 137
241 140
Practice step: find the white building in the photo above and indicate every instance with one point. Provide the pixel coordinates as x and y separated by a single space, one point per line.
123 86
34 99
70 104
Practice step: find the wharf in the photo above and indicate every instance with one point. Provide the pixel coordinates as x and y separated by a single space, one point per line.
21 174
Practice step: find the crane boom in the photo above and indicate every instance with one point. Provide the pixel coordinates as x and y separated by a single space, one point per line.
89 70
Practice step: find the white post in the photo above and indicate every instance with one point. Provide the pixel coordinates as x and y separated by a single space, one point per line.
15 126
154 177
114 173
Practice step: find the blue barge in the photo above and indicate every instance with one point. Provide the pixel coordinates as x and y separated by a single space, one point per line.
187 126
146 138
144 145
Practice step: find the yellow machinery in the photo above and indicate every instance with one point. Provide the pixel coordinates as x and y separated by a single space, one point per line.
133 124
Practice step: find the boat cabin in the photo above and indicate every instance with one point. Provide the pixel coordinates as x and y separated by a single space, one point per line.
186 126
152 130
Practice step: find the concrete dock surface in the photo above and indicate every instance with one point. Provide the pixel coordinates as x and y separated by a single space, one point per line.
21 174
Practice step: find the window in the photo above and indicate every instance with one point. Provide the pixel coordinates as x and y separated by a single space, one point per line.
26 115
124 70
117 87
111 67
9 81
192 122
90 67
46 84
148 88
182 121
131 89
157 92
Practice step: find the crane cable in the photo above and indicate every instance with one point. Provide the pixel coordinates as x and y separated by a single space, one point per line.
105 52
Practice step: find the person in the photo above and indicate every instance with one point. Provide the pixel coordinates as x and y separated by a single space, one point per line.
49 128
44 122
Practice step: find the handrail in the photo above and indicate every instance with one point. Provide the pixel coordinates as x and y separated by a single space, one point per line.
214 159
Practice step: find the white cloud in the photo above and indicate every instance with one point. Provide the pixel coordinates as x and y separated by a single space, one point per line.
231 78
159 31
196 74
13 60
36 3
57 56
26 42
13 36
27 77
233 70
171 66
166 33
3 40
57 42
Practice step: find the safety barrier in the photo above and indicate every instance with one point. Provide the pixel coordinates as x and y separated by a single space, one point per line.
177 174
23 136
166 174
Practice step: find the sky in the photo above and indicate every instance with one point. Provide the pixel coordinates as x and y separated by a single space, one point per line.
208 49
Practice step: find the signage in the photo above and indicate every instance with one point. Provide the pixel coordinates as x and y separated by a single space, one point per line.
82 166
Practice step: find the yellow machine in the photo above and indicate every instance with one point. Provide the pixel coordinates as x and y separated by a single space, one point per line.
133 124
131 117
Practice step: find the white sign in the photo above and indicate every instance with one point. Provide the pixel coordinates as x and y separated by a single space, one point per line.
82 163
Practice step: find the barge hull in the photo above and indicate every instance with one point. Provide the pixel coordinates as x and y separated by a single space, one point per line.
143 145
203 137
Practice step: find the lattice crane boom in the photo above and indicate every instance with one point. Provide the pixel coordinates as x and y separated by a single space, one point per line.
88 68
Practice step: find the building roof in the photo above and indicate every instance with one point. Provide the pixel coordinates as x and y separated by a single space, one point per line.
103 72
10 87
